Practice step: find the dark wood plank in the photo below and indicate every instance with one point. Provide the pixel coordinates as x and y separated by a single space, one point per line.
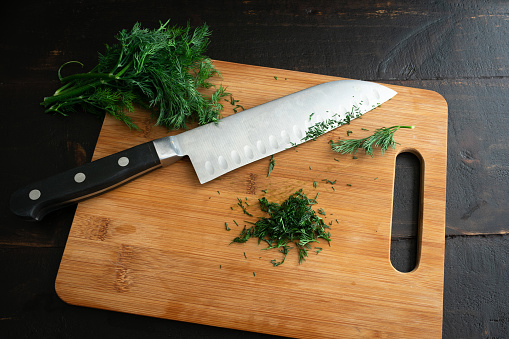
477 170
475 287
457 48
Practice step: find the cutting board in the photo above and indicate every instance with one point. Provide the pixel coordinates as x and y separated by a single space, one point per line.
158 246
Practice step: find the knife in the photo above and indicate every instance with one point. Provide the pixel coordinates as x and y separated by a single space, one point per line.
214 149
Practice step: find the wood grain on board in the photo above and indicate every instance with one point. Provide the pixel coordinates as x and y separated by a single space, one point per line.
158 245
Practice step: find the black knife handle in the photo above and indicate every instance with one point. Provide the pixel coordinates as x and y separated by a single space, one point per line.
39 198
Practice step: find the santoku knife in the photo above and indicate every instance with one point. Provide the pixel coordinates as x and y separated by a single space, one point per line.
214 149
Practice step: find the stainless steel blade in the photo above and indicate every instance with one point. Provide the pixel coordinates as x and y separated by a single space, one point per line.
261 131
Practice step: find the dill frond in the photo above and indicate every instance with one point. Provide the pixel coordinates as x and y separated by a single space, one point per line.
383 138
162 69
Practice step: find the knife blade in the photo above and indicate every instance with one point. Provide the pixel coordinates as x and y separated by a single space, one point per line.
214 149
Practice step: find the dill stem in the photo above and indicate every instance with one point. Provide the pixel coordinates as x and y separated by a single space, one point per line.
71 92
63 92
123 70
61 89
107 76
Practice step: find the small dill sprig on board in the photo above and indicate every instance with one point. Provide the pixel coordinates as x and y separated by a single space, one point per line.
272 163
382 138
293 221
160 69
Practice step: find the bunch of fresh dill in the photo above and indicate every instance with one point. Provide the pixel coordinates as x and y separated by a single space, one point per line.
382 138
161 69
293 221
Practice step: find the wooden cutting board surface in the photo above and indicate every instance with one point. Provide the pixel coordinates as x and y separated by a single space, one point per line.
158 246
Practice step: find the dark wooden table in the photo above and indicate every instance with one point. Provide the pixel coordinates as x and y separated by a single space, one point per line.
458 48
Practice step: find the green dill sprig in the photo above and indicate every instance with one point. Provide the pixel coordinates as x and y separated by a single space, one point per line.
272 163
233 102
160 69
382 138
292 222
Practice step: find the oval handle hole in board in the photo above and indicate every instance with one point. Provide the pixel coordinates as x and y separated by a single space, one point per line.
406 213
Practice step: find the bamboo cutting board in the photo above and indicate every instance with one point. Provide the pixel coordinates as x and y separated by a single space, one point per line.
158 246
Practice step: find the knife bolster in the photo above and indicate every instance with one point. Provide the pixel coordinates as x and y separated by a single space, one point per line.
168 150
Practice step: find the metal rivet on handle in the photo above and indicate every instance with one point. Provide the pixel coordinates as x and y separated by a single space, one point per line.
123 161
34 194
80 177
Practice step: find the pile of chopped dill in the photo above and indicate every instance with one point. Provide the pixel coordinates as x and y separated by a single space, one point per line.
291 222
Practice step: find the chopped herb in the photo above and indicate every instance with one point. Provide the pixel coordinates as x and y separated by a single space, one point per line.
311 115
318 249
348 184
314 184
218 192
348 133
364 129
241 204
323 127
354 157
236 107
234 102
336 160
327 181
321 211
245 234
254 275
271 165
235 223
383 138
291 222
275 77
245 256
264 191
226 226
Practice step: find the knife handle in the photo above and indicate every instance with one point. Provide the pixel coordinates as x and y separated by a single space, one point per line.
39 198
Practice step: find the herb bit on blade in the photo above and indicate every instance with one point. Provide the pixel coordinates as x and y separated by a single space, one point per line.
291 222
161 69
382 138
272 163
